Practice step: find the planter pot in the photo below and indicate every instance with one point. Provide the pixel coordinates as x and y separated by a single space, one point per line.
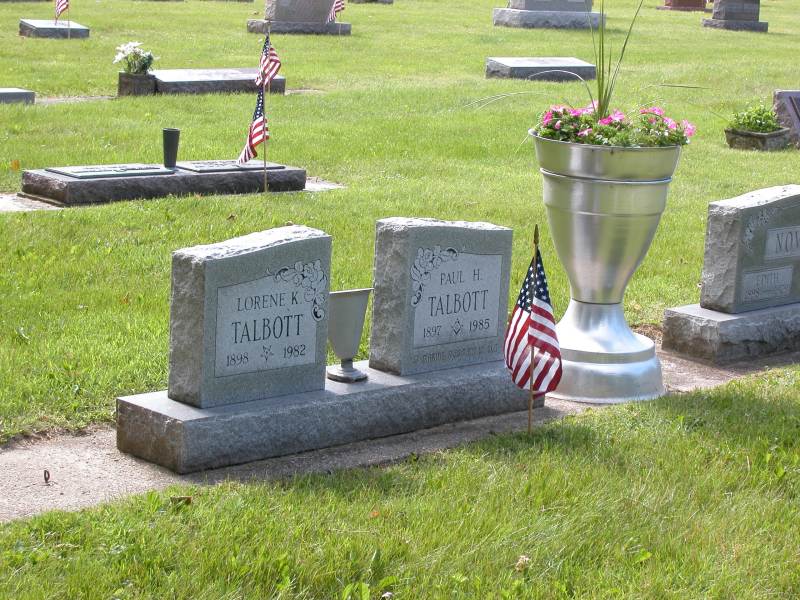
750 140
603 205
136 84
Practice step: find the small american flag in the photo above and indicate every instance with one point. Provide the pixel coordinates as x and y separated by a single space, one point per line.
270 64
259 131
530 327
338 6
61 6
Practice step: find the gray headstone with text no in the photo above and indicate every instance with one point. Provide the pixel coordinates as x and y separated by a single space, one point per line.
441 294
752 255
248 317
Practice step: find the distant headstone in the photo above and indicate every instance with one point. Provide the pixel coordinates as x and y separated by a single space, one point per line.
686 5
540 69
787 105
750 289
52 29
299 16
441 294
207 81
16 95
737 15
555 14
248 317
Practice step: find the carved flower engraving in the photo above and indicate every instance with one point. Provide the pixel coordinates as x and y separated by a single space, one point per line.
312 279
427 261
762 219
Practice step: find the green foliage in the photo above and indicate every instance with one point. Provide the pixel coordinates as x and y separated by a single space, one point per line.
757 118
133 58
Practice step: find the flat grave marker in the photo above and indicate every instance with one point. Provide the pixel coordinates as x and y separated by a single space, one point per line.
539 68
750 287
208 81
48 28
16 95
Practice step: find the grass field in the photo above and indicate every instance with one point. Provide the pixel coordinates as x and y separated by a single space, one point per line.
691 496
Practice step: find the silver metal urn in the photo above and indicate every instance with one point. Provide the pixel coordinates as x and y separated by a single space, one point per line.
347 310
603 205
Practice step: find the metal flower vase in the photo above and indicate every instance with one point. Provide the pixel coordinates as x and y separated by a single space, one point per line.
603 205
346 320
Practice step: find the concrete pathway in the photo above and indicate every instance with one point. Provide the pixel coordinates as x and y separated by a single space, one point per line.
10 202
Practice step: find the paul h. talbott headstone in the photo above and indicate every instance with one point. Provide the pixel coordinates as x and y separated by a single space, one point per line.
441 294
737 15
552 14
750 288
299 16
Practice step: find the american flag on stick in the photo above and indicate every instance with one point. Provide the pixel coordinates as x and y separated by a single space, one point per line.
259 131
336 8
269 65
61 6
531 348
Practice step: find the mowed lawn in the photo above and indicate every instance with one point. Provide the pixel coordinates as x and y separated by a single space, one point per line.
691 496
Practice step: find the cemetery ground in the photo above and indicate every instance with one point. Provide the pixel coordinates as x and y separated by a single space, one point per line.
687 496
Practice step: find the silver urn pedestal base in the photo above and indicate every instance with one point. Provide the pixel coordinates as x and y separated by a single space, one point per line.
603 361
603 205
345 372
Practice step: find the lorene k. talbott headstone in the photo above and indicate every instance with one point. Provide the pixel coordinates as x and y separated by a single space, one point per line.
248 317
441 294
750 289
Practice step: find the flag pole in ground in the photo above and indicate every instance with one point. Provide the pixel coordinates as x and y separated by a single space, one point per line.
69 24
265 89
533 392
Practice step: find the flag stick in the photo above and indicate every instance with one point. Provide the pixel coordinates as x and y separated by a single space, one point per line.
265 90
69 24
533 393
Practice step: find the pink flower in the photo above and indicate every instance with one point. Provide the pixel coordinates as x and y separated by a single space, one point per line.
617 116
670 123
688 128
557 125
576 112
547 117
585 132
606 121
557 107
655 110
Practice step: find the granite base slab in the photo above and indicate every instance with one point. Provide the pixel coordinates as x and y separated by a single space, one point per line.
186 439
733 25
52 29
723 338
540 69
545 19
66 190
335 28
212 81
16 95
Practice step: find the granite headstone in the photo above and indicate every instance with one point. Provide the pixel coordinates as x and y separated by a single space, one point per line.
555 14
207 81
750 288
248 317
540 68
16 95
787 106
736 15
299 16
441 294
49 28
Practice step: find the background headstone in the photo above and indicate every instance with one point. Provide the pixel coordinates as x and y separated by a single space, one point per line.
555 14
787 105
441 294
750 290
16 95
52 29
208 81
299 16
540 68
737 15
248 317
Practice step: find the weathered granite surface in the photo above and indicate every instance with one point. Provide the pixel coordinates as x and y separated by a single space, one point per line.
722 338
51 29
441 294
16 95
752 251
208 81
545 19
581 6
186 439
540 68
787 105
736 15
67 190
249 318
334 28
